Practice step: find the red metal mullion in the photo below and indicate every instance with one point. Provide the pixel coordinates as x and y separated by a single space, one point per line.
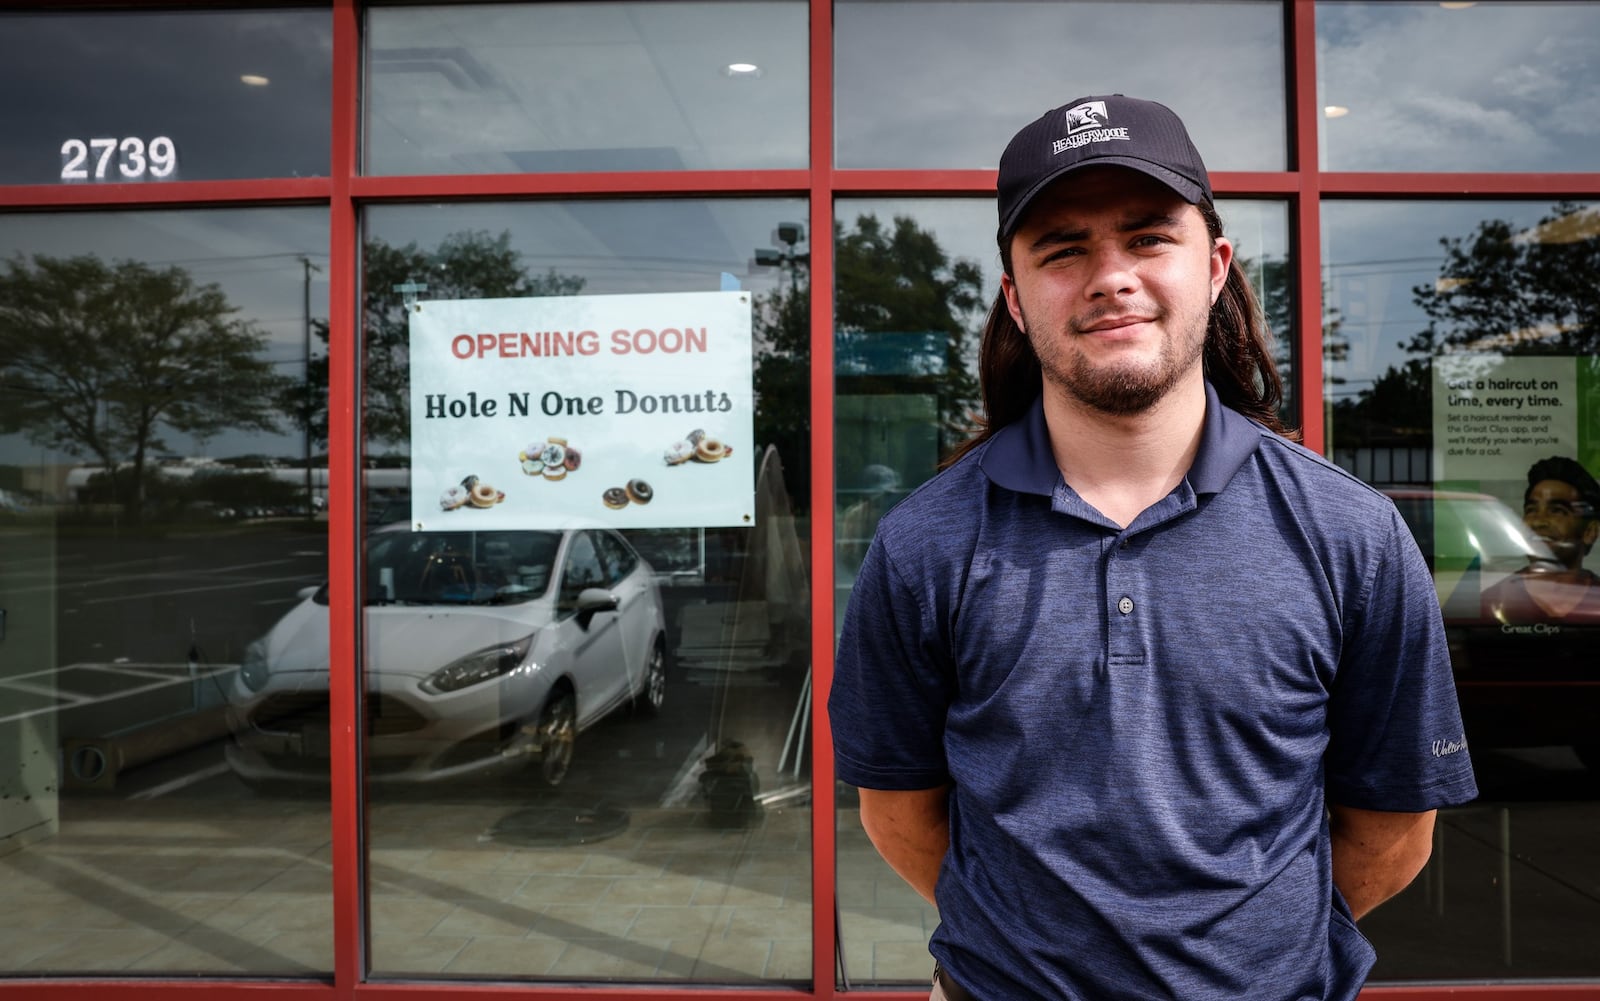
344 494
824 887
1306 235
167 194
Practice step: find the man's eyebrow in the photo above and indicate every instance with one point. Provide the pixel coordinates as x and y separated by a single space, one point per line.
1056 237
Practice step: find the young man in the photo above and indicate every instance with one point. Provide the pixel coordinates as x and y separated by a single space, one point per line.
1141 694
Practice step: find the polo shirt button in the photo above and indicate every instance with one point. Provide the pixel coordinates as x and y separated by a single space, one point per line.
1125 605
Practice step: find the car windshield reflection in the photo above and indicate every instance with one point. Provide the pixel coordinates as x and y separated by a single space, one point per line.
459 568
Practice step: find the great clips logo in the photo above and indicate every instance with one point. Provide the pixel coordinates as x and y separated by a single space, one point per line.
1088 123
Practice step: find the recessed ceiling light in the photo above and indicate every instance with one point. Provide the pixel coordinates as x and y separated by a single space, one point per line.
254 80
1335 111
742 71
1459 6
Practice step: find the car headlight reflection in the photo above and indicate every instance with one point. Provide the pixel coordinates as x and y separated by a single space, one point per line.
478 666
253 668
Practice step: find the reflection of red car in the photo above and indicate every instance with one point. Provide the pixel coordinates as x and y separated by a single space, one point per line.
1524 680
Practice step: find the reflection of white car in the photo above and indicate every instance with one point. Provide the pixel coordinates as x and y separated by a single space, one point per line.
484 651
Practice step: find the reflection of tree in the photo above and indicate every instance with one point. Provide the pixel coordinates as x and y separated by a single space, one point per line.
1500 291
465 265
1509 292
1273 282
96 359
906 318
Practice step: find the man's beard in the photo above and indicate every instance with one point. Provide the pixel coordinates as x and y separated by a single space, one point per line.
1122 390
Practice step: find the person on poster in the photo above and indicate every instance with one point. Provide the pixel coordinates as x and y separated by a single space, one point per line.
1561 506
1149 700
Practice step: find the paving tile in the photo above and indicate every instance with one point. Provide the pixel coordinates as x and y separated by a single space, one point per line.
668 890
498 921
617 959
506 956
570 922
400 955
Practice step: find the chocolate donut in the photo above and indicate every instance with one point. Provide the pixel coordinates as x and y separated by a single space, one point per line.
573 458
695 436
639 492
614 498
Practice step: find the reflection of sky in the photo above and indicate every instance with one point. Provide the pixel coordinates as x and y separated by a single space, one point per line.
1497 86
254 255
1374 253
946 85
92 74
590 86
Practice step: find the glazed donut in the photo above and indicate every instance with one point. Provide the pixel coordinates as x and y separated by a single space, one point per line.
614 498
533 466
556 441
452 498
639 492
710 449
530 451
574 457
678 452
555 471
553 454
483 495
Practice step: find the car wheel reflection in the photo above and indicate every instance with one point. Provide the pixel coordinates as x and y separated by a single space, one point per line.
558 732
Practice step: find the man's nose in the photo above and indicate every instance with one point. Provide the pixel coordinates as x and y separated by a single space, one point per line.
1114 273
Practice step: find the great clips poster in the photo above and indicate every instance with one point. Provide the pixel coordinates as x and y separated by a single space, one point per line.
633 411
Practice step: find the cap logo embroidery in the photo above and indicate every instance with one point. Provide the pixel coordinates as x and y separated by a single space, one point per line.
1086 124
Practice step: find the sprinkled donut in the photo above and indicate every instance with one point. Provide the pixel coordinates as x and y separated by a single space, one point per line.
639 492
614 498
678 452
452 498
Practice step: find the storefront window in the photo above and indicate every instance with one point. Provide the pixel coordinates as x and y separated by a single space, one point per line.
1467 388
586 625
895 105
579 87
1492 86
128 97
915 280
160 504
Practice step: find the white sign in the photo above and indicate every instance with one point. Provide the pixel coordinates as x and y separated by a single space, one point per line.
633 411
1494 416
132 159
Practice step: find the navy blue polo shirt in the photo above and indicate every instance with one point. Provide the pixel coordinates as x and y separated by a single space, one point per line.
1140 725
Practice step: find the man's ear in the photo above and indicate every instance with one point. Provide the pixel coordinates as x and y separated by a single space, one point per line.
1008 288
1591 532
1221 258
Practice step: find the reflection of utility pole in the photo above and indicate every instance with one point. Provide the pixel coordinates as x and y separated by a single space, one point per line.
791 235
305 305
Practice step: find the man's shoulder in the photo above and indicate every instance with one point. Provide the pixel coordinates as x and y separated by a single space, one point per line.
1313 482
947 506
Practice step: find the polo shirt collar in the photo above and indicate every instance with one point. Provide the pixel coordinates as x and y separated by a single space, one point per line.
1019 458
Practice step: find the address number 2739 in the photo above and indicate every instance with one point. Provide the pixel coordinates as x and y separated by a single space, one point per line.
131 157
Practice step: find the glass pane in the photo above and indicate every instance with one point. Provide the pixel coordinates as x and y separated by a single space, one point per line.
547 88
895 106
915 280
119 97
588 758
1467 387
1458 86
159 507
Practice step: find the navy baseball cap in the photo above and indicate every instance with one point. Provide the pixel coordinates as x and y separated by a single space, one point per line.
1112 130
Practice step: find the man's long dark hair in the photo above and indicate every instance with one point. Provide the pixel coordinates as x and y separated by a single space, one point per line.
1237 358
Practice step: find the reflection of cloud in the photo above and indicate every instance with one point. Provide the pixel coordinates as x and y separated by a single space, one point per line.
1507 87
946 85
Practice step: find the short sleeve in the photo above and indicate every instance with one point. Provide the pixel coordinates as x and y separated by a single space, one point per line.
1395 736
891 684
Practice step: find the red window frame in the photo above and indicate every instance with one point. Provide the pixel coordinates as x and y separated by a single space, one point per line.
344 191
